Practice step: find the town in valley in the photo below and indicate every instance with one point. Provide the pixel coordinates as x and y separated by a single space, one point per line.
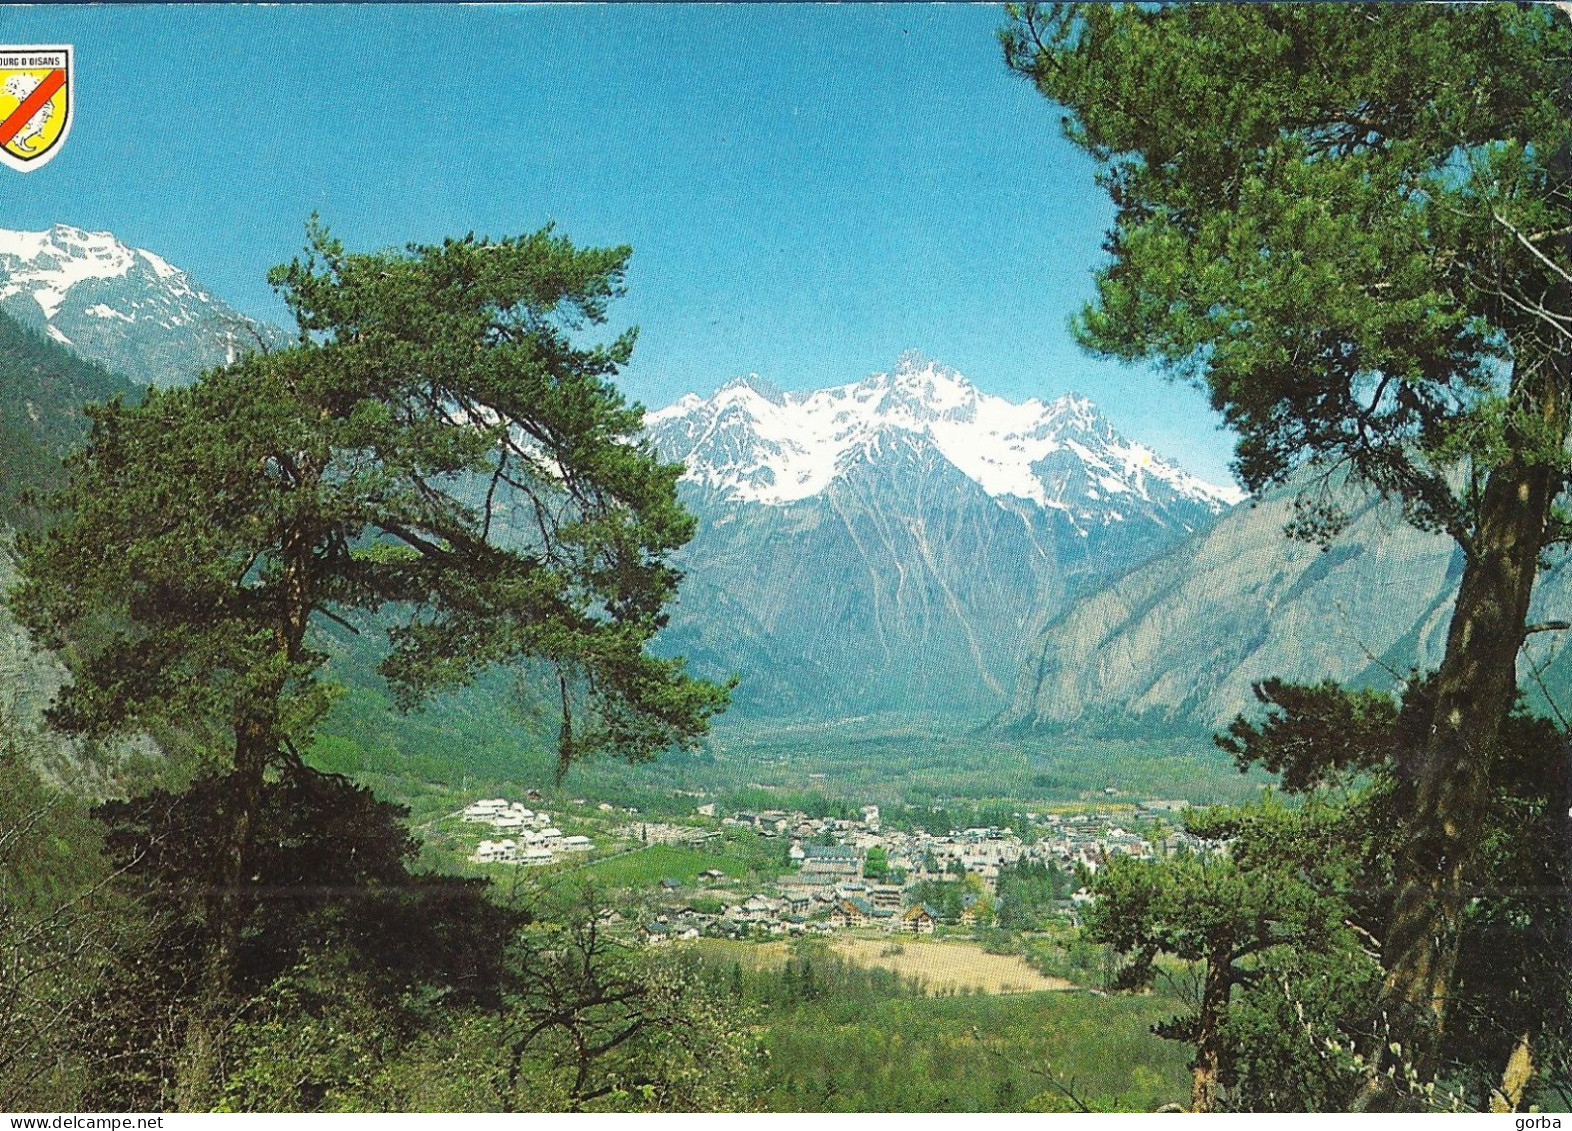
835 874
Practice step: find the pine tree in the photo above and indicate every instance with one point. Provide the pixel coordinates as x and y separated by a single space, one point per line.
1350 224
437 455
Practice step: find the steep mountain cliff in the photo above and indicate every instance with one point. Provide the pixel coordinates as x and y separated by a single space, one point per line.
43 388
1181 639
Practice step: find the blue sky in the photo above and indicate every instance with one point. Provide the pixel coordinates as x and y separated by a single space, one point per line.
808 191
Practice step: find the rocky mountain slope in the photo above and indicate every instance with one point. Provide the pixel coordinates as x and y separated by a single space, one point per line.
897 544
123 306
43 388
1181 639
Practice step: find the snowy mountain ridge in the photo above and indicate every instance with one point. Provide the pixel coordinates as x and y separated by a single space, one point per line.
753 443
126 307
48 264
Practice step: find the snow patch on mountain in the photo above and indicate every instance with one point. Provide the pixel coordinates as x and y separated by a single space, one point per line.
754 443
161 267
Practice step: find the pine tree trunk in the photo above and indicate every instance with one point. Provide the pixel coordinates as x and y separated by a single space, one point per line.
1475 689
1519 1071
257 741
252 751
200 1070
1206 1068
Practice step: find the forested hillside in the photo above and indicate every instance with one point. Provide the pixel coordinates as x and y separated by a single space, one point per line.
43 388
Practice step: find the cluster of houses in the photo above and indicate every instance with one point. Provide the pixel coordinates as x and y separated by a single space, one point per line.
662 832
536 840
832 885
789 914
756 915
1088 840
796 824
830 889
827 893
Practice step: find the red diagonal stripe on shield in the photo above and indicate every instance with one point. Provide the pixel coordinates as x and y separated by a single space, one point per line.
31 105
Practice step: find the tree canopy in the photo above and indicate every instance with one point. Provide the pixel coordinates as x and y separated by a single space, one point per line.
1350 224
1288 922
436 448
436 458
1272 902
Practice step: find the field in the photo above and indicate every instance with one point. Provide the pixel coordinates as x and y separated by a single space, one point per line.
944 966
949 965
470 744
647 867
890 762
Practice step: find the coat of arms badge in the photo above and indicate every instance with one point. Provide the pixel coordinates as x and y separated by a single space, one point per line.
35 104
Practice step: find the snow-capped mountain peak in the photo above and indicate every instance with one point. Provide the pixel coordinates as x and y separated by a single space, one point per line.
741 387
754 443
47 265
127 307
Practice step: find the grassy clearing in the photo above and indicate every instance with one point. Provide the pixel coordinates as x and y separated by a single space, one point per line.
750 956
473 743
953 965
646 867
944 966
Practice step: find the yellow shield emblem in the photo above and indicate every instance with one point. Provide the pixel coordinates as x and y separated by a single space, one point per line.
35 104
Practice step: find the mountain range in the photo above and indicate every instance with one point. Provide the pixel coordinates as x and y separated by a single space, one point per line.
898 543
906 543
